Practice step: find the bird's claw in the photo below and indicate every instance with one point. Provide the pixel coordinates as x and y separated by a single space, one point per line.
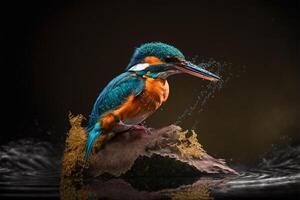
141 128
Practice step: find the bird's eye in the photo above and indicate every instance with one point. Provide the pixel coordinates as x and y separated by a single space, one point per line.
172 59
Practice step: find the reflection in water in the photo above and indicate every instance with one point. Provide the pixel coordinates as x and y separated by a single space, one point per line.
120 189
31 168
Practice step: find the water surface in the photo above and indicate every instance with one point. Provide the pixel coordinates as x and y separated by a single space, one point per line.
31 169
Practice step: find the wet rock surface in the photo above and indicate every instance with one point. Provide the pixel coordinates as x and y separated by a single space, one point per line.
167 151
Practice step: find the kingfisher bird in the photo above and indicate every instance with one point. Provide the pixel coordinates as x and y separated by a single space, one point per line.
134 95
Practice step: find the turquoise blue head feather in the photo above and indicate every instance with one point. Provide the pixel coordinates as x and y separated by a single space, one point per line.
157 49
160 60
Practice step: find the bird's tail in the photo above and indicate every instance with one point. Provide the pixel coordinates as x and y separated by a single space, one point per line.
92 136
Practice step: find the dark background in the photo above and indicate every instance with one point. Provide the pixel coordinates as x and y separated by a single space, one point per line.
58 55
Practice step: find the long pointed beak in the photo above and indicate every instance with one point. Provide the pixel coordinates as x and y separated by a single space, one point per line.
190 68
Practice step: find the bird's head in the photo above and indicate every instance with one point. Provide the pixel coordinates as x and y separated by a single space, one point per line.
159 60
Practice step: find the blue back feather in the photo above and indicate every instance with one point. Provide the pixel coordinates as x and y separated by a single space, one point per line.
114 95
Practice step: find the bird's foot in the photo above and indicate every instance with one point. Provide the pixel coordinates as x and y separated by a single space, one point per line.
141 128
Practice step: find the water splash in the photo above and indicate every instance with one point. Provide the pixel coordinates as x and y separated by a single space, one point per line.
207 91
276 175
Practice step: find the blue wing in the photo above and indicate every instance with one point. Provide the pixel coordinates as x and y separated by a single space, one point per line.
114 94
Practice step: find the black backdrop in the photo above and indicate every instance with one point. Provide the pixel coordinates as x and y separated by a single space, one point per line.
58 55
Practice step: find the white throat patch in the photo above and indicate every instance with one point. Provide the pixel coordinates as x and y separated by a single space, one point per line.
139 67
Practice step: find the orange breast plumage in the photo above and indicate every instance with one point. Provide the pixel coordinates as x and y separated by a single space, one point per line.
138 108
156 92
